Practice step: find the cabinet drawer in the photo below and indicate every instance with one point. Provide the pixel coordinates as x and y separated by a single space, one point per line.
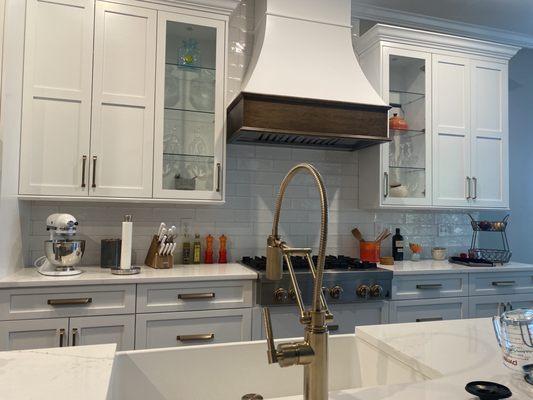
489 283
194 296
192 328
66 302
429 286
428 310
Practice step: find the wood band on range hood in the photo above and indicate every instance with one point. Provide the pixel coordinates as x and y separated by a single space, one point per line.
280 120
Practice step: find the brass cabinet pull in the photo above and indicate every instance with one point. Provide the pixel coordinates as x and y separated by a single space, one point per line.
200 336
218 177
386 182
94 171
196 296
429 286
333 328
429 319
474 181
74 335
503 283
61 337
468 184
70 302
83 162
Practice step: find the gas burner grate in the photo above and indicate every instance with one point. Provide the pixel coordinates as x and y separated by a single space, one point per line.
336 263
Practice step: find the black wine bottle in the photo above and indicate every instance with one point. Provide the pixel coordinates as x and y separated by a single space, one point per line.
397 246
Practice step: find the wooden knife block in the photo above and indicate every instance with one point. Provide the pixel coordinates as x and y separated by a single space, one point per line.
155 260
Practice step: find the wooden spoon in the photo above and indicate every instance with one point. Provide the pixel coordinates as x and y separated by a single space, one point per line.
357 234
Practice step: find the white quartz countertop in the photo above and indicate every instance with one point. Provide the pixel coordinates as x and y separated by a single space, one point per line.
449 353
445 267
28 277
81 373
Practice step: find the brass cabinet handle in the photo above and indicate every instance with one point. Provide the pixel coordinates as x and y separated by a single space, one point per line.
333 328
61 337
200 336
429 286
386 182
429 319
468 184
70 302
474 181
503 283
94 171
83 163
74 335
218 177
196 296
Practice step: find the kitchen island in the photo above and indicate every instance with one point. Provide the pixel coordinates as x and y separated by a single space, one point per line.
433 360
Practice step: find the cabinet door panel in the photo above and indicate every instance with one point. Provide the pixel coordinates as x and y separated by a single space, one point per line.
123 101
488 306
451 127
428 310
56 97
119 329
33 334
489 134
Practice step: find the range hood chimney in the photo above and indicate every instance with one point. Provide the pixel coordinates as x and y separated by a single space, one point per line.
304 86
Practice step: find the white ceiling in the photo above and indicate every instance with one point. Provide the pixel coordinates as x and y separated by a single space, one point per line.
511 16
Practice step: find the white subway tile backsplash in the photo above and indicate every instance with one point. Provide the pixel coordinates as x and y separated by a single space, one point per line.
252 183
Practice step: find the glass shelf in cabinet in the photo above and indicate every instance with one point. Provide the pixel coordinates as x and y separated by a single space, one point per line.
407 168
407 133
189 110
190 67
400 98
187 155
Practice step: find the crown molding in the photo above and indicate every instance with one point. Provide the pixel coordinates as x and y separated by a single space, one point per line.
218 6
437 41
419 21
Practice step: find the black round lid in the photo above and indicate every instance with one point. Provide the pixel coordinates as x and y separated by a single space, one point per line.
488 390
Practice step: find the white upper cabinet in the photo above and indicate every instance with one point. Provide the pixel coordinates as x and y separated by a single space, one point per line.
56 108
123 101
451 126
464 119
189 126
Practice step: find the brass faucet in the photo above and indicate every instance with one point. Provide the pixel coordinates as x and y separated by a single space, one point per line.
312 352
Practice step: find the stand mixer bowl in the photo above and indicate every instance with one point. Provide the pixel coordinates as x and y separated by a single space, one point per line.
64 253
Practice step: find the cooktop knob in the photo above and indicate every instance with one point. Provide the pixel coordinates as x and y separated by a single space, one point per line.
363 291
335 292
376 291
281 295
292 294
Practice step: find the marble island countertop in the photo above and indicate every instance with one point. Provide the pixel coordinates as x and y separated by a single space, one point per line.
445 267
81 373
449 353
29 277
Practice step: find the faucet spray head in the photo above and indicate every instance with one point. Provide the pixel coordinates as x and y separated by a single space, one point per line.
274 264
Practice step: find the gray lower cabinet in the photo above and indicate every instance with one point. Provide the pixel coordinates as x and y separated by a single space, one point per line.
33 334
62 332
428 309
488 306
174 329
285 319
119 329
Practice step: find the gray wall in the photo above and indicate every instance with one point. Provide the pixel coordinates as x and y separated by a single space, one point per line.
521 159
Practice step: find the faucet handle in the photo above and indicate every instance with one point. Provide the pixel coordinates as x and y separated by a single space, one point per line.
272 352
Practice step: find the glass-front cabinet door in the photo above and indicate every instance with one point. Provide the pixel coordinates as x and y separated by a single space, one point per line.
189 125
406 159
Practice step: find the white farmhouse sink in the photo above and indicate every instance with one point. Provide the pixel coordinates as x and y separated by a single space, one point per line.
228 371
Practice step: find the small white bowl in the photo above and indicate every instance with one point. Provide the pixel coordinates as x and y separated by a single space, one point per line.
438 253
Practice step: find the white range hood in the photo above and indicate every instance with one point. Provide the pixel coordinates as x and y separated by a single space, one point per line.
303 71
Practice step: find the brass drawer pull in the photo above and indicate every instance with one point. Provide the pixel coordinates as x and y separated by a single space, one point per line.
70 302
74 335
333 328
84 161
61 337
503 283
94 171
429 286
218 177
429 319
196 296
201 336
